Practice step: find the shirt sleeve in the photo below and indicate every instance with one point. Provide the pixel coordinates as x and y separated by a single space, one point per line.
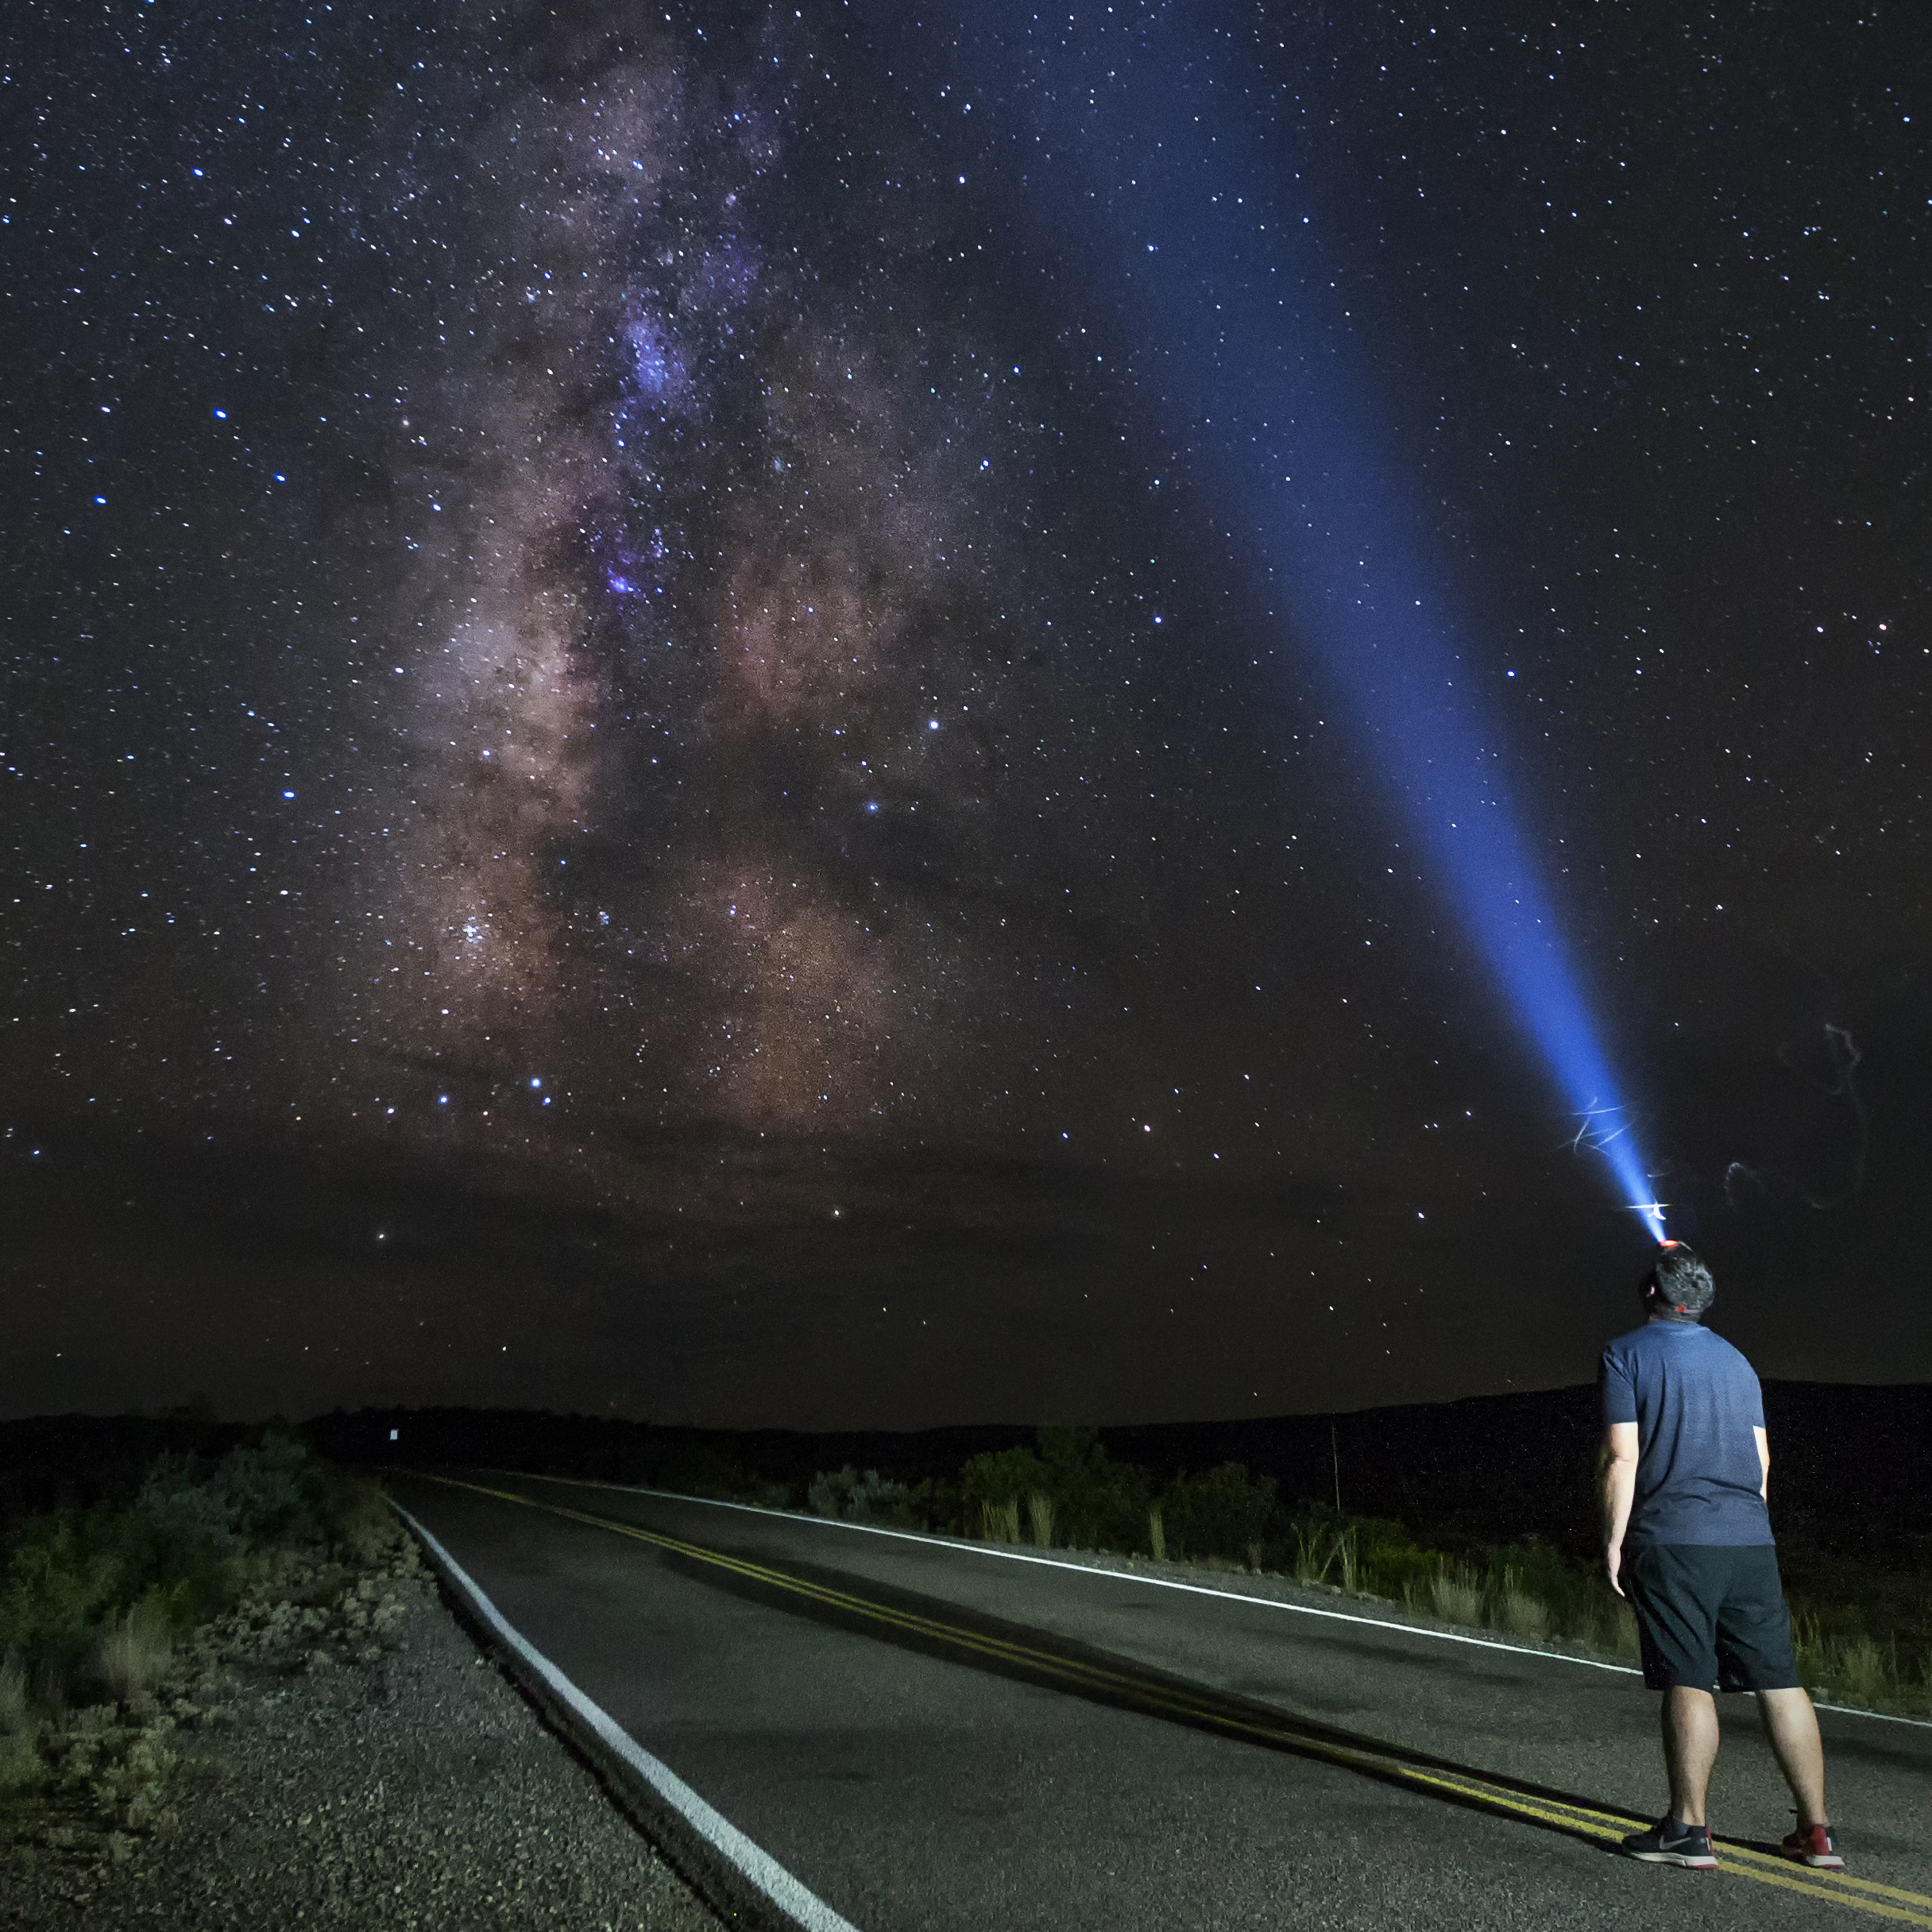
1618 1391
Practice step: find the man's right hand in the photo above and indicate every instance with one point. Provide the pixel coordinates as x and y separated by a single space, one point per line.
1620 1460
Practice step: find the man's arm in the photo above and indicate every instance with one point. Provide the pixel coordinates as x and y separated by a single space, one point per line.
1620 1450
1763 1462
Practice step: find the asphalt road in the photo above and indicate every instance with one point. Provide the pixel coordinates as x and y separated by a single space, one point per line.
928 1735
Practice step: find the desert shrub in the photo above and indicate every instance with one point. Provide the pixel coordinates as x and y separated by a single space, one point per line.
1390 1562
1001 1476
868 1498
1098 1503
14 1715
21 1767
1092 1501
1218 1514
877 1499
177 1550
182 1517
358 1519
830 1490
276 1491
127 1777
271 1492
62 1576
182 1505
936 1503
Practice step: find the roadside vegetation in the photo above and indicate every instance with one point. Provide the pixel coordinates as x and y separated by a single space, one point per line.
1863 1637
109 1617
1864 1621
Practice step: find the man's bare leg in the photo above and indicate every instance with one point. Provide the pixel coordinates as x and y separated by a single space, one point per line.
1690 1748
1791 1726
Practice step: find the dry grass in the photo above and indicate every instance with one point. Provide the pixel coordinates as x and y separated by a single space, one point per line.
1613 1628
1524 1616
1040 1518
1858 1669
135 1649
1855 1668
1456 1596
1865 1670
1324 1549
1000 1522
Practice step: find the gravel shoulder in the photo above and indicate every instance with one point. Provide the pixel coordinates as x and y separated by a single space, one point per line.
354 1764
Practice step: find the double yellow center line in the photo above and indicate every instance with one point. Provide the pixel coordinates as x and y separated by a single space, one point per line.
1205 1709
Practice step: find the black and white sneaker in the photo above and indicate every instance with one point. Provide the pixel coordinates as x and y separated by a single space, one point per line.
1669 1843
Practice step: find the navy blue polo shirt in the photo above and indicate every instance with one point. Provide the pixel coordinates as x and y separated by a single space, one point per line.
1695 1401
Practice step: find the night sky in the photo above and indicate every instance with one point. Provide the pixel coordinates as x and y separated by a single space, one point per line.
662 754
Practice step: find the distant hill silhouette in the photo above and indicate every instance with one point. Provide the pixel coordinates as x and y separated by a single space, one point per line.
1852 1471
1852 1467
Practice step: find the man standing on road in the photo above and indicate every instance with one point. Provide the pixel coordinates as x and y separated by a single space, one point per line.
1687 1539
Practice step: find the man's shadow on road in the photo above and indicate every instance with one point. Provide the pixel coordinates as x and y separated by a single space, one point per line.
971 1640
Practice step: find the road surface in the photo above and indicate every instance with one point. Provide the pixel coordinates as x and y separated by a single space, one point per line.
932 1735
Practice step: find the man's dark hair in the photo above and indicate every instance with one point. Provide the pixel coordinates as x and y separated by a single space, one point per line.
1678 1282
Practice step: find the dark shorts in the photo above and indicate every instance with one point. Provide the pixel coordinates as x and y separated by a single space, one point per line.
1712 1617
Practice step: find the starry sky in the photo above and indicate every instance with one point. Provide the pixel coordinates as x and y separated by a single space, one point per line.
659 757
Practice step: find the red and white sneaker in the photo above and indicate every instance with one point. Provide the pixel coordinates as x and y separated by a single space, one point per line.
1813 1845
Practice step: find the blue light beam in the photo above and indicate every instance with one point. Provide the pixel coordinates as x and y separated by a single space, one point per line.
1139 170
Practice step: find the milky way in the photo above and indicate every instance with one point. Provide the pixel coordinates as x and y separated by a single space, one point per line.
709 622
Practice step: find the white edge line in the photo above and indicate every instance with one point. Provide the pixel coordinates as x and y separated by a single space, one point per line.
1154 1583
1880 1717
970 1549
758 1865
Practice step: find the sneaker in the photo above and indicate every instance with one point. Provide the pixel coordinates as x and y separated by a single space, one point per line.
1813 1845
1669 1843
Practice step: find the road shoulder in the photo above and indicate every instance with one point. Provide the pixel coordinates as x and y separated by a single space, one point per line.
399 1785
